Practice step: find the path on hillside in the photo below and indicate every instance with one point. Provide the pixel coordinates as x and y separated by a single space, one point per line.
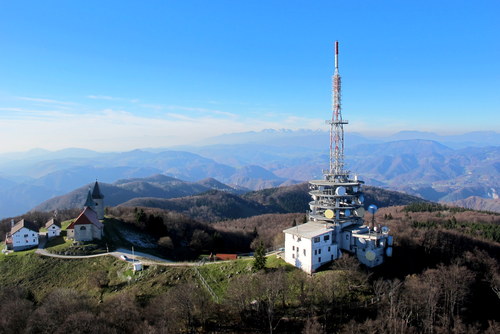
146 259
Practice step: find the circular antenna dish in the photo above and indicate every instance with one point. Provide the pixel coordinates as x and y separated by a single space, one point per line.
372 209
340 191
329 214
370 255
361 199
347 213
385 229
360 212
362 241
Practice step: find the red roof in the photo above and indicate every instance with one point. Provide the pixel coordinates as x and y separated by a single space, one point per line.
225 257
87 217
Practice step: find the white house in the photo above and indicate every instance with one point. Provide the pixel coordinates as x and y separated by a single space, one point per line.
310 245
86 227
22 235
53 228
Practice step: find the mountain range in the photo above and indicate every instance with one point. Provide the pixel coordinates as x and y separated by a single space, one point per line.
209 200
451 169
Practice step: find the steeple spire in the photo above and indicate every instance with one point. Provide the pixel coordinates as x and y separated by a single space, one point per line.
89 202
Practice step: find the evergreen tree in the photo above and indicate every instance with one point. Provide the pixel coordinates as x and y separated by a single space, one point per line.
259 261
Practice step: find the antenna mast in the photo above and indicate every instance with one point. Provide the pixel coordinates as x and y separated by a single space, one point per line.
336 125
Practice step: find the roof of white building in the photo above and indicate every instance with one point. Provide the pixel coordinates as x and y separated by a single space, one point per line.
309 230
23 223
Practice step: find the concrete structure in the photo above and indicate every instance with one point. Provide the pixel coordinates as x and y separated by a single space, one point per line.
23 235
336 217
53 228
86 227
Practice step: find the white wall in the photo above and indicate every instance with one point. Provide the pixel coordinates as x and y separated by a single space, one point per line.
24 238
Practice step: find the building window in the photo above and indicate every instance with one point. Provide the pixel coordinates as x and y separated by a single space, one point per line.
26 235
304 252
326 237
83 228
316 239
293 247
319 251
332 257
328 248
293 256
347 237
315 252
319 259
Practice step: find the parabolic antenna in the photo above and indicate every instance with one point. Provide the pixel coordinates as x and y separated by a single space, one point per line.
385 229
329 214
370 255
361 199
360 212
372 209
340 191
362 241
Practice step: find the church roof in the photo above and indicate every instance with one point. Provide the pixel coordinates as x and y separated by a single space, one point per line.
23 223
96 193
87 217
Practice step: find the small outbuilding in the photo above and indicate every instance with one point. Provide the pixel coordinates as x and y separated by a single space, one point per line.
53 228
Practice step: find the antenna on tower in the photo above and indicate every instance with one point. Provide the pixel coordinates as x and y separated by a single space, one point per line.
336 126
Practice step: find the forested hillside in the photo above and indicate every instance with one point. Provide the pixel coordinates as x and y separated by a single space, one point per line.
442 279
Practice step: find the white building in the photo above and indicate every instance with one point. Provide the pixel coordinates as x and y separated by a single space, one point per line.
53 229
23 235
309 246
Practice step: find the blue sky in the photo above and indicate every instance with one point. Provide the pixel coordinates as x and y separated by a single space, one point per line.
117 75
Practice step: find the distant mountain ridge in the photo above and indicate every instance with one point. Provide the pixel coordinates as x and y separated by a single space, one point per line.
438 168
209 200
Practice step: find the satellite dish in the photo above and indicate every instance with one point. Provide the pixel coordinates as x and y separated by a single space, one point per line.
362 241
360 212
372 209
370 255
385 229
347 212
361 199
329 214
355 189
340 191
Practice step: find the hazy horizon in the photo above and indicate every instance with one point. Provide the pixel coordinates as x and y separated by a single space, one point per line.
118 76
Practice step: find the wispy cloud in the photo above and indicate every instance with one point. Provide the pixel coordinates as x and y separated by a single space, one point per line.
102 97
111 98
201 110
45 101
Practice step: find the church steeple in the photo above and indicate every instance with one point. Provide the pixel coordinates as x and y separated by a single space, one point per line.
96 193
89 202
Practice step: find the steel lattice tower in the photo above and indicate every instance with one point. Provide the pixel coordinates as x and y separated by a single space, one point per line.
336 126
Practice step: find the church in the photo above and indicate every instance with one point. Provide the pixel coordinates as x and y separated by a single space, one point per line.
87 226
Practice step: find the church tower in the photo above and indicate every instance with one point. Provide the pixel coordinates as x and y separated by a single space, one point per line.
98 199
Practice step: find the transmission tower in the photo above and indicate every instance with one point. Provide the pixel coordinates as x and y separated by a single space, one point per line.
336 126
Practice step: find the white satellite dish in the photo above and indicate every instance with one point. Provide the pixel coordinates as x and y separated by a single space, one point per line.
360 212
385 229
361 199
340 191
362 241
